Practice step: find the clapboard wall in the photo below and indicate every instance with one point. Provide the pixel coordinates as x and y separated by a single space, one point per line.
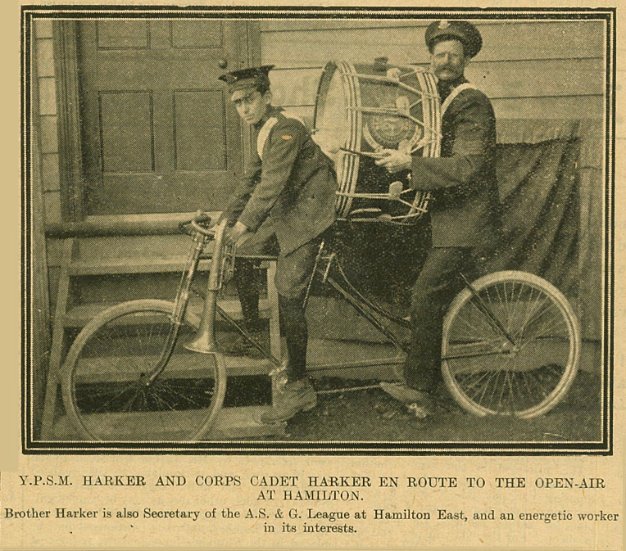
530 69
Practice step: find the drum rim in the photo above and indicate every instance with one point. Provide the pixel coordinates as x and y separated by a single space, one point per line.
347 173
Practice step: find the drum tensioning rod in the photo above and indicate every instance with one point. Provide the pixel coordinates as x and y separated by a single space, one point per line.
424 143
388 80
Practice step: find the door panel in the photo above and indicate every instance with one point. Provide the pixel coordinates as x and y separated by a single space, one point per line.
119 35
158 134
126 128
197 34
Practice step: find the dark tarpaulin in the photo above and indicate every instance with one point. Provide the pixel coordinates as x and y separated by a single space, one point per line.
540 212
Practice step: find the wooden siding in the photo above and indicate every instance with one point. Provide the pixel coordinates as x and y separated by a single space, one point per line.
530 69
43 51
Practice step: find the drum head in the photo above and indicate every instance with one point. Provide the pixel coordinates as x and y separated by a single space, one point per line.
331 119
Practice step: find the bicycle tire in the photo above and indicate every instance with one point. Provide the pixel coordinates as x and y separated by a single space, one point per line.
525 375
103 379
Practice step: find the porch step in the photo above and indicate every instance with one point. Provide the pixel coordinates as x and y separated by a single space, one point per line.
78 316
231 422
122 265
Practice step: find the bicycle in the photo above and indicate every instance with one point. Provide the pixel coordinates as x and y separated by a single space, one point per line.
511 346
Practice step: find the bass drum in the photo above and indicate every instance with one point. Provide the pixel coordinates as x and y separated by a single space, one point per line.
361 109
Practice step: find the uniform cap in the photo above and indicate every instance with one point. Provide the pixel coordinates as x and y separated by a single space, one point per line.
251 77
463 31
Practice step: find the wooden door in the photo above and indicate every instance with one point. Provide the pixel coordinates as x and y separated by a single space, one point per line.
158 135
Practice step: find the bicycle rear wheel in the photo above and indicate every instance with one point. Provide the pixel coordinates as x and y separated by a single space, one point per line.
105 380
510 346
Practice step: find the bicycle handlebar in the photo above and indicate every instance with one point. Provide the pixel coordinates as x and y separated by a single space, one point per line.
199 223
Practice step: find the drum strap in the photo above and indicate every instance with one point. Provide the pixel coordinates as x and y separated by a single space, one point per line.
267 128
460 88
264 134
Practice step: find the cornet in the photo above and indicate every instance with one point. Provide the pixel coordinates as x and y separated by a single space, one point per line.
221 270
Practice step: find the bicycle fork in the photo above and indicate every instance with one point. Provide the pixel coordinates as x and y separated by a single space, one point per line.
181 301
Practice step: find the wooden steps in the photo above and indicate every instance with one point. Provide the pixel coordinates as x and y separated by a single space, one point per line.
326 358
93 261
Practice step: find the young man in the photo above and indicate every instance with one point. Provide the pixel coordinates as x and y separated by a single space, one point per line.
290 181
464 207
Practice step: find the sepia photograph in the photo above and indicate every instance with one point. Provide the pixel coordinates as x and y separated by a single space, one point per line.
317 230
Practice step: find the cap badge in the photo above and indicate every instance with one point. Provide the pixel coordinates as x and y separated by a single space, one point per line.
444 24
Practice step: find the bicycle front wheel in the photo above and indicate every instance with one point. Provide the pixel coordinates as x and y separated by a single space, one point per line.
109 391
510 346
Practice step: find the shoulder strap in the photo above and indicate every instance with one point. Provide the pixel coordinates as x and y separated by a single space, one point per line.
460 88
263 135
267 128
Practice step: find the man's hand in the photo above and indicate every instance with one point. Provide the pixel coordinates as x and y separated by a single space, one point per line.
233 234
394 160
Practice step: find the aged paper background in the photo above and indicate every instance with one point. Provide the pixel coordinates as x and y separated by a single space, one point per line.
226 531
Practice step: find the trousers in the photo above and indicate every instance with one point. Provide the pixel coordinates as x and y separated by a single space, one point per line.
436 285
293 273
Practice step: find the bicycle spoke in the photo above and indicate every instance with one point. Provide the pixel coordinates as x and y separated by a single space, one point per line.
480 376
174 392
491 318
114 398
550 328
532 306
511 393
496 375
473 333
483 321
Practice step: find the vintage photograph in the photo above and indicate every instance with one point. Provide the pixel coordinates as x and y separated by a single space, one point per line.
310 230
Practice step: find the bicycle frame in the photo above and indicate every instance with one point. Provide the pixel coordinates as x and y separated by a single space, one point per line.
355 298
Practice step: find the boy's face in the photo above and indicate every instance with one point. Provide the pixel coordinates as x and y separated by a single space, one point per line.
251 104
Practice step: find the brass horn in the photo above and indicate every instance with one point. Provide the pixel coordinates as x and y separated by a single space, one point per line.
221 265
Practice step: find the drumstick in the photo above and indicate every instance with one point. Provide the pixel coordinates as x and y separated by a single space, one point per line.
373 155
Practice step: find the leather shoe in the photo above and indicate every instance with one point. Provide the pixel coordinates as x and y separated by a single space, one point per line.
295 396
418 401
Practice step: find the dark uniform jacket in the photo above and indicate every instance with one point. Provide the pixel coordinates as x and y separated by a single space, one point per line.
464 209
291 181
